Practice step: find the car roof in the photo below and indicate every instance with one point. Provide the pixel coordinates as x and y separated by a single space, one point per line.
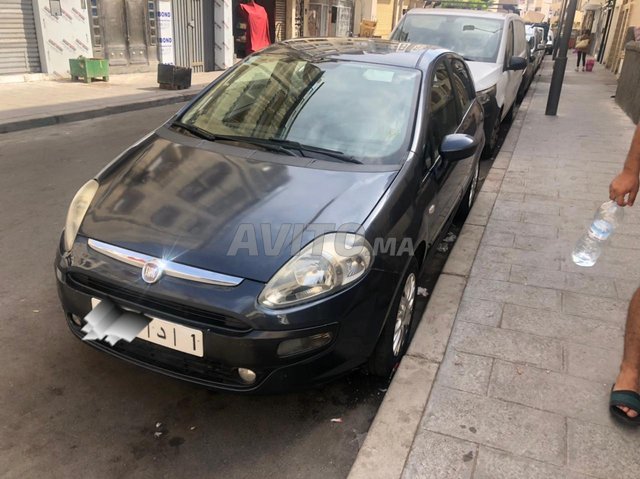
367 50
461 12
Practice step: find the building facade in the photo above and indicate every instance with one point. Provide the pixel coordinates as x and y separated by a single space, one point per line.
38 37
623 14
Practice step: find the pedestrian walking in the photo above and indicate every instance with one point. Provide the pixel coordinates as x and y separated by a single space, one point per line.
625 400
582 45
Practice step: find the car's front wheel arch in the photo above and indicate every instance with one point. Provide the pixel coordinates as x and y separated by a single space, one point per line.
389 350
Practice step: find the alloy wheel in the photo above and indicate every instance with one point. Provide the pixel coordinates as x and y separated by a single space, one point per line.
403 316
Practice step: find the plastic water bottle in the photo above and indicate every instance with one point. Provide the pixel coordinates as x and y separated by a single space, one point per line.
589 247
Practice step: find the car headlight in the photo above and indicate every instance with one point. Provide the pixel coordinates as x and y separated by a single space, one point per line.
326 265
484 96
77 210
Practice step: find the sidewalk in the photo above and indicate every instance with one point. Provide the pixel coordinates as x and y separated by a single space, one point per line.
509 373
35 104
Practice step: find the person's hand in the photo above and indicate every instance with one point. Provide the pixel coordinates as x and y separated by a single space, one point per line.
623 184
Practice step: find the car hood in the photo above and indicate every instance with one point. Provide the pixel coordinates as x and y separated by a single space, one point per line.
239 215
485 75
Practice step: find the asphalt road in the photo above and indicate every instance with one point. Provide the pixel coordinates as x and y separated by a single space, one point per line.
67 410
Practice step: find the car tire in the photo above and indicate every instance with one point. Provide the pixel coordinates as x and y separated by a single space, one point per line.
470 195
492 141
522 93
509 116
393 341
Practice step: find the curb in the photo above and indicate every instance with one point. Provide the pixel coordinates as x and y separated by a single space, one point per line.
390 438
94 112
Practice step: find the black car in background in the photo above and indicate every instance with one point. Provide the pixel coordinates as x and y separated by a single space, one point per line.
271 232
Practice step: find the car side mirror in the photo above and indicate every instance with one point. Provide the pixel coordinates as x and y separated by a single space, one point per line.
458 146
517 63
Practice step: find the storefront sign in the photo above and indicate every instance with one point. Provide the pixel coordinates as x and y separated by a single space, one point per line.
165 32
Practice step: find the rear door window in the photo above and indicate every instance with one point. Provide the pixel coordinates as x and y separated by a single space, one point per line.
462 85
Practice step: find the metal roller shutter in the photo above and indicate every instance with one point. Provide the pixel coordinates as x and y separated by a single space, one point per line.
280 20
18 41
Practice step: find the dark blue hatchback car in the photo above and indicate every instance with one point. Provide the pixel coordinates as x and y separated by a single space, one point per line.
270 234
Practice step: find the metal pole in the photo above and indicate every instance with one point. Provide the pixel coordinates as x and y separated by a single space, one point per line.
560 64
556 38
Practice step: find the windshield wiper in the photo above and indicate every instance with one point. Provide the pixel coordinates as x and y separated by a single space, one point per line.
194 130
315 149
204 134
275 144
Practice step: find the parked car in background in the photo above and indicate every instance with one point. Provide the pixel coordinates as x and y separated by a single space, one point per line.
550 39
535 43
270 234
494 46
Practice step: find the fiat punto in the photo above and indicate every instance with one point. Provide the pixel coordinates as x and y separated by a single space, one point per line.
270 234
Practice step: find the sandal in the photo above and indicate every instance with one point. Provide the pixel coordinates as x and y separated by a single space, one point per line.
630 399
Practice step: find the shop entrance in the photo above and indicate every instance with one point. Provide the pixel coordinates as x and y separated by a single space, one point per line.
328 18
124 31
277 27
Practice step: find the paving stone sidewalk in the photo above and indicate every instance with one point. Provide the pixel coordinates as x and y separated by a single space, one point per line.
41 103
522 389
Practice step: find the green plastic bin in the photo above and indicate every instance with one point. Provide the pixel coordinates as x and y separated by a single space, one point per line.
88 68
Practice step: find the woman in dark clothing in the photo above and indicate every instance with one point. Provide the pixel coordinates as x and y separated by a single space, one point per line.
582 46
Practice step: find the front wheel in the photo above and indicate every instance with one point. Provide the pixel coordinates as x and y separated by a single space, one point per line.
393 341
510 114
471 193
492 141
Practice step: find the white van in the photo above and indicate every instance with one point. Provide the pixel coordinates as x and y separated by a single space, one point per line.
493 44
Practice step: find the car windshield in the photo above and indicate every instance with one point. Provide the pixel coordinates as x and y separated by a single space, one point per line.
475 38
364 111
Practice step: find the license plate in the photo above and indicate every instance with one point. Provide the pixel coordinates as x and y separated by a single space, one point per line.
173 336
170 335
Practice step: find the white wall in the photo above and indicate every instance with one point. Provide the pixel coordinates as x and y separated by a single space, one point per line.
63 37
223 34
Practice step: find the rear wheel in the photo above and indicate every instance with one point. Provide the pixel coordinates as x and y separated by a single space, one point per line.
392 343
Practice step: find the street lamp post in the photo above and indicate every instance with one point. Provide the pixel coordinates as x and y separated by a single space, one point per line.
560 64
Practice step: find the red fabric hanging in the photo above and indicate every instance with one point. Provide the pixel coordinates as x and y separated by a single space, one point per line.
257 26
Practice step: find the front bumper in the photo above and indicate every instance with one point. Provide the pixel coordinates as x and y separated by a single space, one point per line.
237 333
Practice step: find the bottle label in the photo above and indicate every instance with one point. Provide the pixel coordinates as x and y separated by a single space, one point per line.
600 230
